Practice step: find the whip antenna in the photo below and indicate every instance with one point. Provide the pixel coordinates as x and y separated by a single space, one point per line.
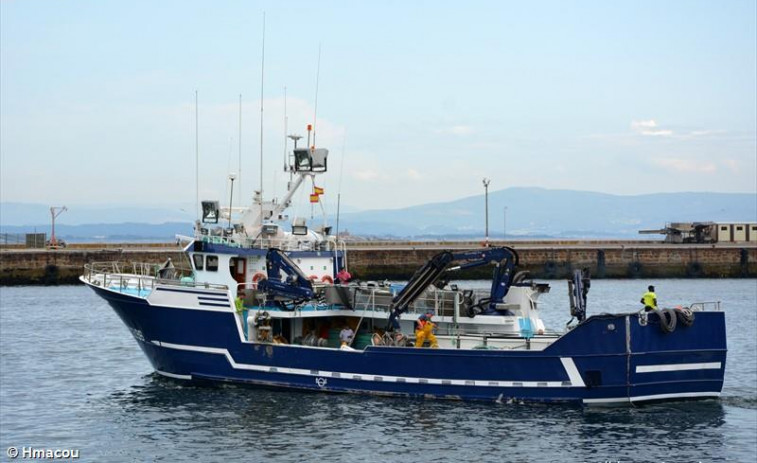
262 74
317 78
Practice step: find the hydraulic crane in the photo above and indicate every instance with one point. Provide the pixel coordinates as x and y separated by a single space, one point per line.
295 289
504 259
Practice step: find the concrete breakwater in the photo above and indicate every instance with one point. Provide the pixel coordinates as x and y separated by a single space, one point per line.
557 259
398 260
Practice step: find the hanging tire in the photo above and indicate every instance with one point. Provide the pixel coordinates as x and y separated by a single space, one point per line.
685 316
668 320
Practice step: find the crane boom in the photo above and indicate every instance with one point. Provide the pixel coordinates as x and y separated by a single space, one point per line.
504 259
296 288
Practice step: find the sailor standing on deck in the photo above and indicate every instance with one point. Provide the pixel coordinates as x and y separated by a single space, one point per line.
649 299
424 330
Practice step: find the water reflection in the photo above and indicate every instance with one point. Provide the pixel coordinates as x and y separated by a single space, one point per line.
297 426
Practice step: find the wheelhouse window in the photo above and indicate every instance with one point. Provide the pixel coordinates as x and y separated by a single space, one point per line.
211 263
198 261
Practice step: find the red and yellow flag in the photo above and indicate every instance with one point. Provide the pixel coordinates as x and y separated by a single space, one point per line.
317 190
314 198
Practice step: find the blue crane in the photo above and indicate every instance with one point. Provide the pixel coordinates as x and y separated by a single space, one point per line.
504 259
295 289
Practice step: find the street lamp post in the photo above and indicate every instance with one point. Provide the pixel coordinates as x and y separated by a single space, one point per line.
504 230
486 199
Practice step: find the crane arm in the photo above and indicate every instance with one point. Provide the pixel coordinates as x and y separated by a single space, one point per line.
504 259
296 288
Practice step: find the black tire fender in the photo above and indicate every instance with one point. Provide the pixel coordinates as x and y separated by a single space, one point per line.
668 320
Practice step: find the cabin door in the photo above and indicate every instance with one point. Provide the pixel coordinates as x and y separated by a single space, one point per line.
238 268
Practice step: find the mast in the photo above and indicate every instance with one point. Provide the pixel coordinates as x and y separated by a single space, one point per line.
240 147
317 78
286 120
197 160
262 74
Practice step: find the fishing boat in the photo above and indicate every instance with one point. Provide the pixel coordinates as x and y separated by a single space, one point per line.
260 306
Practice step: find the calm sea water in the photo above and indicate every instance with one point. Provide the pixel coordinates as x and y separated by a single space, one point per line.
72 377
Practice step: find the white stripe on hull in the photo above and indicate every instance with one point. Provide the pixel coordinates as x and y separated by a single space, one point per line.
641 398
375 378
573 374
678 367
173 375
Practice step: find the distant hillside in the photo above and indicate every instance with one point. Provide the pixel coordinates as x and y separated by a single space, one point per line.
13 214
110 232
531 212
558 213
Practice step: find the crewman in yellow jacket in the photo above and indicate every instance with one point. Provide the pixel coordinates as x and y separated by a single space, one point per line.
424 330
649 299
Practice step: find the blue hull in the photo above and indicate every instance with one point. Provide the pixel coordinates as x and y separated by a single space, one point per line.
607 359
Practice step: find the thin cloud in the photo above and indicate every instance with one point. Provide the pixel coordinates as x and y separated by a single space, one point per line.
458 130
685 165
414 174
650 128
366 175
731 164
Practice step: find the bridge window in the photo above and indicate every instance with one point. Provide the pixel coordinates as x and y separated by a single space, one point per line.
197 259
211 263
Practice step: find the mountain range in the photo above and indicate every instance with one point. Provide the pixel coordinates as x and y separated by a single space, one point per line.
518 212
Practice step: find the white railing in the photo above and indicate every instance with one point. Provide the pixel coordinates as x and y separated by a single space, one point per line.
266 243
709 306
378 299
141 277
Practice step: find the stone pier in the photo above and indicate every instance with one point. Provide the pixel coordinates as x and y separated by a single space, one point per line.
399 259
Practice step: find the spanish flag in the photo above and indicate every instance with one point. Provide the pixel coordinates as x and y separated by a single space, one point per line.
317 190
314 198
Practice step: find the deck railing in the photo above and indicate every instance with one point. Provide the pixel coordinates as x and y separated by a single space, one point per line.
266 243
709 306
140 276
443 303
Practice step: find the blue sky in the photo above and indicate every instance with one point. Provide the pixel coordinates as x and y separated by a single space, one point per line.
418 101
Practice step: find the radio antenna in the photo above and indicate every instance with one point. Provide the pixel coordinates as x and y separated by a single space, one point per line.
286 119
197 159
317 78
240 148
262 74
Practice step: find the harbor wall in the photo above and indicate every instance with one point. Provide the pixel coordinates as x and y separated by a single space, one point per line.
679 261
399 260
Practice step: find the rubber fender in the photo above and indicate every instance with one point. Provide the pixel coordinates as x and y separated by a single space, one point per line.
685 316
668 320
